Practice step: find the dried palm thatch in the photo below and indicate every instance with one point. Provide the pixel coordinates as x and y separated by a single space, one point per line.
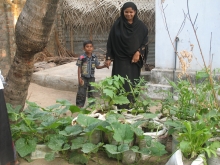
97 16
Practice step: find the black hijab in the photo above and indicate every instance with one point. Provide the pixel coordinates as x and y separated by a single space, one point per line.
124 38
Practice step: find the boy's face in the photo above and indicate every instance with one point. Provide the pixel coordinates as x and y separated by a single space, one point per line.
88 48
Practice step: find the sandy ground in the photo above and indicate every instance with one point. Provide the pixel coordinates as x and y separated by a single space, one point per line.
44 97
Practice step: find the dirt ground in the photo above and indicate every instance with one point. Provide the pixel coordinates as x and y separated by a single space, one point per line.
44 97
47 96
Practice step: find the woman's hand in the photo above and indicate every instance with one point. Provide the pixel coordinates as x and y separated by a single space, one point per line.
108 63
136 57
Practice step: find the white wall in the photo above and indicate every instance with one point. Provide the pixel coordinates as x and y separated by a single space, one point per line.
208 20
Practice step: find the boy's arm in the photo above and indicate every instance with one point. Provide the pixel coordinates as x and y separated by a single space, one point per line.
100 67
79 75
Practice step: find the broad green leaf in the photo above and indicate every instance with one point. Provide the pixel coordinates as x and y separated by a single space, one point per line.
123 147
65 121
138 131
148 140
78 158
122 132
32 104
11 109
109 92
61 111
74 109
66 147
77 143
117 84
71 130
215 145
111 118
92 127
52 107
85 121
135 149
120 100
185 147
113 149
56 144
102 126
25 147
53 125
84 111
145 151
89 147
50 156
157 149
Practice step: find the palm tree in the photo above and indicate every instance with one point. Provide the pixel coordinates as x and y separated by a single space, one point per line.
32 33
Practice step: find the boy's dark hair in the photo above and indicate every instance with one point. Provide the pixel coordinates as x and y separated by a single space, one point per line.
87 42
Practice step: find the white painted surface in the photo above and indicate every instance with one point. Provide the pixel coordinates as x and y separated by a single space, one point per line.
1 79
207 22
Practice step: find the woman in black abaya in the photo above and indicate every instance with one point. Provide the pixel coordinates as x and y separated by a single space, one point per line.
127 45
6 146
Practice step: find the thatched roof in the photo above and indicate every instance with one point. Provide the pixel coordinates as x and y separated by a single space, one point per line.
99 15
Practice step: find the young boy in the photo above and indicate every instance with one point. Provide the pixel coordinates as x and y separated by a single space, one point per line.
86 72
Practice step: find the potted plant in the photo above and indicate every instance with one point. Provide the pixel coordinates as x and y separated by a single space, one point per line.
42 126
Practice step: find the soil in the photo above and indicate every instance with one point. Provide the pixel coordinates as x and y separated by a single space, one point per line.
47 96
44 97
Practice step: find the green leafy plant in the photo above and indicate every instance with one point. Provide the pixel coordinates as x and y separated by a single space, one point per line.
110 92
193 140
138 90
37 125
124 135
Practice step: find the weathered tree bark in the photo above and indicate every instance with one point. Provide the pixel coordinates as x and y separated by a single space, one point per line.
32 33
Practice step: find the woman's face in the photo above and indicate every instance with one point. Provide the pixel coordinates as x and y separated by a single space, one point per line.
129 14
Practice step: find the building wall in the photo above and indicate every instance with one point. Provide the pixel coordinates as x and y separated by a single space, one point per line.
207 16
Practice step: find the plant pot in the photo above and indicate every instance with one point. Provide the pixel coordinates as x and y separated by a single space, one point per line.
130 118
160 135
178 159
108 138
175 142
214 160
129 157
96 137
40 152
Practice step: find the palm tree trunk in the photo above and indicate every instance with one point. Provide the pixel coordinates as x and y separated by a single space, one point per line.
32 33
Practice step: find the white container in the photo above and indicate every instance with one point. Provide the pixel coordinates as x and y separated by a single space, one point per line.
40 152
129 157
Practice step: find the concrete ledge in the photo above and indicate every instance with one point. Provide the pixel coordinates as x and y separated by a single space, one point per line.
65 77
158 91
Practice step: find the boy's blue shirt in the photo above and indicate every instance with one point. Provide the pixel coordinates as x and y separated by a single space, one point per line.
87 65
